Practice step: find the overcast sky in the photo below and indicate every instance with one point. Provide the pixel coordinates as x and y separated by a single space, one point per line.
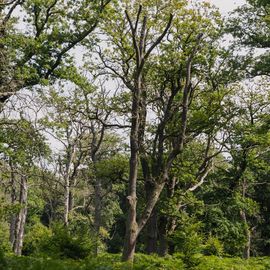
227 5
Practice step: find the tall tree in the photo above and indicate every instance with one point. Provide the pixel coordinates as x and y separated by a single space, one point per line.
139 49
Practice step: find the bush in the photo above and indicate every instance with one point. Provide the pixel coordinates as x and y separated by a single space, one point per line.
188 241
5 245
213 247
36 239
3 262
57 242
66 244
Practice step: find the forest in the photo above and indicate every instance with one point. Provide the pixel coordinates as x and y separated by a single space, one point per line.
134 135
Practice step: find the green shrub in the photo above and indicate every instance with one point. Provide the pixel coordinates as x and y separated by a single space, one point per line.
57 242
66 244
188 241
3 262
35 240
5 245
213 247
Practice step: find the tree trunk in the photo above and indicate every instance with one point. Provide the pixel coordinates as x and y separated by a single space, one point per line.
66 202
131 232
12 228
138 116
163 242
18 243
131 223
98 206
152 233
151 227
67 178
246 251
71 200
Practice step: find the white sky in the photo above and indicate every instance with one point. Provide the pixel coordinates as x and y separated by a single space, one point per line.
226 6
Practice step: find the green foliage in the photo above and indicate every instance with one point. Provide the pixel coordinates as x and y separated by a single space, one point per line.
250 25
58 242
3 262
64 244
36 239
217 263
213 246
189 241
22 143
102 262
142 262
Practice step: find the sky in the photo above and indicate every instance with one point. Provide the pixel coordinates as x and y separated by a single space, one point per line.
227 5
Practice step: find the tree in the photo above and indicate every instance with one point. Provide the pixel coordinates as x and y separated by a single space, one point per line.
162 75
21 146
40 52
141 42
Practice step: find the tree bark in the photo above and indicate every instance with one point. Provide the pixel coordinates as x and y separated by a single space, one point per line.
163 241
18 243
131 223
97 217
66 203
67 175
12 227
152 233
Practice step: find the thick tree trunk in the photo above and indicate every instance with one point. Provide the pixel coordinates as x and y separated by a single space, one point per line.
131 223
18 243
131 235
163 242
71 200
152 233
151 227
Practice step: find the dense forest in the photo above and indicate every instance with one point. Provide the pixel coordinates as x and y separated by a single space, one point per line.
134 134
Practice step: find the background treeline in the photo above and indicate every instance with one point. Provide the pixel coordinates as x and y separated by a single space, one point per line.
134 125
